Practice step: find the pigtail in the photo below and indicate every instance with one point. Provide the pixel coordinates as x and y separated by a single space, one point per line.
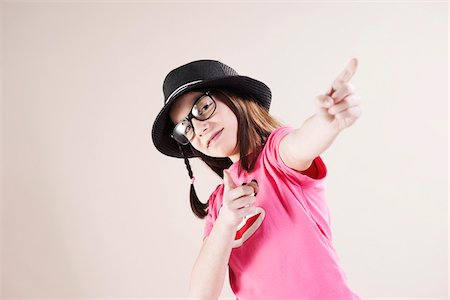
198 208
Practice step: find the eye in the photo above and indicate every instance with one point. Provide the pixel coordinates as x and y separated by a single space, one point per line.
187 129
204 108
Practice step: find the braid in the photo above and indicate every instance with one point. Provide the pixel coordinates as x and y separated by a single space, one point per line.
198 208
188 165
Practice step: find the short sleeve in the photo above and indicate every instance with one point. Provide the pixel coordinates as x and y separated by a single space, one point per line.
215 201
315 173
313 195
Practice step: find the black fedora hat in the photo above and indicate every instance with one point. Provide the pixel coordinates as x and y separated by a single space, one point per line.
200 74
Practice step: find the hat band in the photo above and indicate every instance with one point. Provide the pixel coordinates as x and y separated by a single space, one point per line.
181 88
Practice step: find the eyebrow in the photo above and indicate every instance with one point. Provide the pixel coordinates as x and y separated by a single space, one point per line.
190 110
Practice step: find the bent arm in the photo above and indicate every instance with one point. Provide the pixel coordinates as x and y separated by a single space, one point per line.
208 273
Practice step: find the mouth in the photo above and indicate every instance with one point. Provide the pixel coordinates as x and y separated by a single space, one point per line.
214 137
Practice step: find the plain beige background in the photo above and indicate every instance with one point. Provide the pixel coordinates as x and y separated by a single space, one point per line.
91 210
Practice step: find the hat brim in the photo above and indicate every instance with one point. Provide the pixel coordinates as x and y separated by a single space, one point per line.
242 85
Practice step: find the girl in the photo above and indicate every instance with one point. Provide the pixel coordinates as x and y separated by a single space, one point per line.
268 222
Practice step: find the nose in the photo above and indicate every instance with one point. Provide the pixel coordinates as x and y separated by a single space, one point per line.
199 126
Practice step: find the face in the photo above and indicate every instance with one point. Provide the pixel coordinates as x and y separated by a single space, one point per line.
216 136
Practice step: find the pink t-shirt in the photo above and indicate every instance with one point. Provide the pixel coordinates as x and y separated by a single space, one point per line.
285 252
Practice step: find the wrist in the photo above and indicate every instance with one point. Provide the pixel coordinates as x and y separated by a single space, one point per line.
224 225
327 125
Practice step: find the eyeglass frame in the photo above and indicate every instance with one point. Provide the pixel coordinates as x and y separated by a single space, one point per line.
191 116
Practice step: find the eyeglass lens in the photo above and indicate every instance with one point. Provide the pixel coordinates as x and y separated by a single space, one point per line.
202 109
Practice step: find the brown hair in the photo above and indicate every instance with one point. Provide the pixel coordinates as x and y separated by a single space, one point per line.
255 124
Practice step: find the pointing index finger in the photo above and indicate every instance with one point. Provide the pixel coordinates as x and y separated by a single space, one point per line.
228 182
345 75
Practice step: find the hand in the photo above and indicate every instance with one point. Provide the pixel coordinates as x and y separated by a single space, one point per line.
237 201
340 106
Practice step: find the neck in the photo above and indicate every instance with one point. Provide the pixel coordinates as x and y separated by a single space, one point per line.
234 158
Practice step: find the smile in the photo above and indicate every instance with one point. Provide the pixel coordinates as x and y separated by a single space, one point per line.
215 137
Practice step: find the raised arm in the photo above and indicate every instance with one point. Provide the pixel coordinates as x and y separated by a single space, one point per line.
337 109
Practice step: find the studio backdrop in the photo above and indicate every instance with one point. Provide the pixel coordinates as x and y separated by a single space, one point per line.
90 209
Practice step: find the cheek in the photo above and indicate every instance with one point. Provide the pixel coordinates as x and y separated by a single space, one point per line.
196 144
234 138
233 126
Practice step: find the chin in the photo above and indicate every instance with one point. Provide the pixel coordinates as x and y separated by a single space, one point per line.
217 154
226 150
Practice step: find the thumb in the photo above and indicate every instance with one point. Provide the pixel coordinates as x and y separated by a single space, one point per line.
227 181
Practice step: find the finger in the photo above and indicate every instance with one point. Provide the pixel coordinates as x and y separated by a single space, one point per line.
323 106
246 190
344 76
247 211
349 101
324 101
227 181
241 191
242 202
348 72
255 186
350 113
343 91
